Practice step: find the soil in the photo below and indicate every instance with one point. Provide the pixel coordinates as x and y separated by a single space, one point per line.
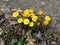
49 7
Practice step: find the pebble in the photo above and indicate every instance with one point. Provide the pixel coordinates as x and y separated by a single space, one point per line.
43 3
53 42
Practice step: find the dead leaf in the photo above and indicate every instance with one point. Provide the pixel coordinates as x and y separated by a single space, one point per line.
30 43
12 22
30 39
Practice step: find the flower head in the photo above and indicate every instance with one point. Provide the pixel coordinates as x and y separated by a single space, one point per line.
26 12
46 22
47 18
31 10
15 14
26 21
24 15
31 24
20 20
34 18
40 12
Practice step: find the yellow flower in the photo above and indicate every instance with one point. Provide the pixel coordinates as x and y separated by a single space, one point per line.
26 21
20 20
40 12
26 12
31 10
15 14
46 22
34 18
24 15
31 24
47 18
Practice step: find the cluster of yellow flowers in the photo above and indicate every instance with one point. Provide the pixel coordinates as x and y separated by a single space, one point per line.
28 17
47 20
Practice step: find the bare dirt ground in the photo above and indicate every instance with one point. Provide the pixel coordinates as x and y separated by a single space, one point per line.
49 7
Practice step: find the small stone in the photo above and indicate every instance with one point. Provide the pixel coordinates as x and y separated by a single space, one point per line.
13 9
53 42
43 3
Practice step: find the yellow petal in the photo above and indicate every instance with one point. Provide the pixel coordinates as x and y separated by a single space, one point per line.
40 12
29 15
24 15
46 22
26 11
34 18
31 24
20 20
15 14
26 21
47 18
31 10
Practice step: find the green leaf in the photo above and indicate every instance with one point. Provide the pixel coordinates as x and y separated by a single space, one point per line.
20 42
24 36
30 31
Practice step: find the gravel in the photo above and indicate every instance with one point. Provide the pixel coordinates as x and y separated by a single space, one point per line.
49 7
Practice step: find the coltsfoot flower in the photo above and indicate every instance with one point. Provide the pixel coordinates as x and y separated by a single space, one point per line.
40 12
24 15
26 12
15 14
26 21
34 18
31 24
47 18
46 22
31 10
20 20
